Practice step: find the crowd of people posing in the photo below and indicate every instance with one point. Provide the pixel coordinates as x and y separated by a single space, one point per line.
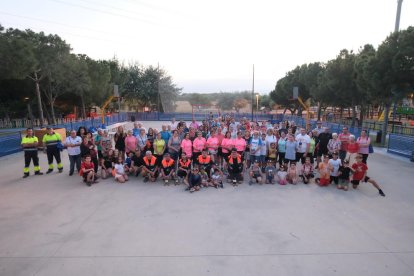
216 151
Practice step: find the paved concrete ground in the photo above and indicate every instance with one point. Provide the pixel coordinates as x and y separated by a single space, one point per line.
55 225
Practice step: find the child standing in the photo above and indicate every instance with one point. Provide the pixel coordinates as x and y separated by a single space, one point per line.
263 152
360 174
307 170
272 153
282 175
344 175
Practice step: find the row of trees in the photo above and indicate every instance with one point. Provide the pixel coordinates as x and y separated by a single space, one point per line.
369 77
227 100
41 69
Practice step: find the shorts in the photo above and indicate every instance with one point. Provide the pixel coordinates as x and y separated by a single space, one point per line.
324 181
272 159
246 155
254 158
356 182
262 158
256 175
116 176
322 151
212 151
343 181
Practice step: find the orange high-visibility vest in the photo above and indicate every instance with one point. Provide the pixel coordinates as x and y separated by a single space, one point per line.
203 160
238 159
150 163
166 164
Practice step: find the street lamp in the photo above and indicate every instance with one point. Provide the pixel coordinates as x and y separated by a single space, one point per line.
257 101
29 110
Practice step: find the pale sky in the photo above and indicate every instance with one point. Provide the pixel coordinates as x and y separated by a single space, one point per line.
211 46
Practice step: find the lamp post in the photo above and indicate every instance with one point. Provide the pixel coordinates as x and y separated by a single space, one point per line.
29 110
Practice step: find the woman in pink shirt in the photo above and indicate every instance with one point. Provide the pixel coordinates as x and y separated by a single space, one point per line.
131 143
227 144
240 143
220 137
187 145
199 144
363 142
212 145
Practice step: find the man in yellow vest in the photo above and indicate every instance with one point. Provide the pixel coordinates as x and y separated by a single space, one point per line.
50 141
29 144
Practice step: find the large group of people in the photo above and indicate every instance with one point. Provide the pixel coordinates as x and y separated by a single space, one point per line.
210 153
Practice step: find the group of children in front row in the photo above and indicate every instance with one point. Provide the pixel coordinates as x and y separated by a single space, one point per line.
210 175
330 170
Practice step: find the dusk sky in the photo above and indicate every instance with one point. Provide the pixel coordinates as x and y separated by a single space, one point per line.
210 46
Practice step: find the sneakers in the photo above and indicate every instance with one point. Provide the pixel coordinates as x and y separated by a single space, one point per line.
145 179
60 170
49 171
381 192
38 173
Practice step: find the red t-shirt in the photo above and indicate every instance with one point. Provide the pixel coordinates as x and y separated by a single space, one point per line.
360 170
85 166
353 148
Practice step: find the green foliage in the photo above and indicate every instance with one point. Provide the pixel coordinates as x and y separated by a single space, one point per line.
54 72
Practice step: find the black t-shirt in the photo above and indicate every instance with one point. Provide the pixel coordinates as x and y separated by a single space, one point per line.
345 172
324 139
138 161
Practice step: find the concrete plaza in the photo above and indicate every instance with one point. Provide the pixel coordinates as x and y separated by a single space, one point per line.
56 225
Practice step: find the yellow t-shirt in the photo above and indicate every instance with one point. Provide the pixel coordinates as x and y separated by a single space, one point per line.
158 146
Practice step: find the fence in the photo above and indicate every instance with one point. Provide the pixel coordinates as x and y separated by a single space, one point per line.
334 127
10 142
167 116
396 128
402 145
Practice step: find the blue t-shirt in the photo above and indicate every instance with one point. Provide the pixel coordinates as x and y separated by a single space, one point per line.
290 150
165 135
255 144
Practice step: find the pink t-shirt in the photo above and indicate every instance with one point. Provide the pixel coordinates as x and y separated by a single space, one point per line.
199 144
220 137
187 147
240 144
363 143
130 143
226 143
213 143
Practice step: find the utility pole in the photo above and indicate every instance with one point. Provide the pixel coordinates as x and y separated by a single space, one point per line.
252 102
387 106
158 94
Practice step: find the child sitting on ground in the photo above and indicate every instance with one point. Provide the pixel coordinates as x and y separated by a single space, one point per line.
217 178
335 163
282 175
324 169
87 171
106 165
307 171
204 177
119 171
292 174
255 173
270 172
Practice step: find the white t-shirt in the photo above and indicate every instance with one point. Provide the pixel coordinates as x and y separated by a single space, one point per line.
302 142
263 148
119 168
335 164
174 125
73 150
